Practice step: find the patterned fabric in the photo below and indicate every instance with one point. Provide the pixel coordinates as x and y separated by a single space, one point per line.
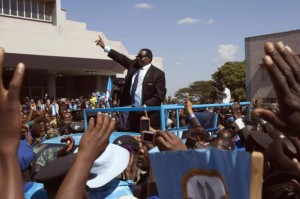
51 133
47 155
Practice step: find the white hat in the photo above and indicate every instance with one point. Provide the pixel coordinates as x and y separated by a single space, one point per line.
112 162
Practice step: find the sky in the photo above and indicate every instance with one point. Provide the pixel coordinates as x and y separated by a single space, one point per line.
194 37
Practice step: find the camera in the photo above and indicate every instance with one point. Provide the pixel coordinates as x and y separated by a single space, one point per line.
148 136
144 124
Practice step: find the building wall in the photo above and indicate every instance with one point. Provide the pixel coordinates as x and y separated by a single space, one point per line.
62 39
258 82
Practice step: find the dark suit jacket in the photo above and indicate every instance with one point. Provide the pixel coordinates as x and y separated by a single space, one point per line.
154 85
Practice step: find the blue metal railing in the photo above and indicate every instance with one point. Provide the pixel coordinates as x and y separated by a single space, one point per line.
163 111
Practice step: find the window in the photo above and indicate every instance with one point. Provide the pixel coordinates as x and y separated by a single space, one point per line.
32 9
48 11
41 10
6 7
27 9
21 8
13 7
269 100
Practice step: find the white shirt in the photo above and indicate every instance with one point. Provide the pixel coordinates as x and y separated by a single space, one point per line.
226 96
139 89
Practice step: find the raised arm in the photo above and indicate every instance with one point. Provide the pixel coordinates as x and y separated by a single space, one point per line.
283 66
93 143
188 107
115 55
100 42
10 128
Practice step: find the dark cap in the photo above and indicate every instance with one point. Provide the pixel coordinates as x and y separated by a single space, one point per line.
127 140
261 139
55 170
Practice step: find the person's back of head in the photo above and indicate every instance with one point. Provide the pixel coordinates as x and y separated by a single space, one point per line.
200 133
224 133
38 130
222 143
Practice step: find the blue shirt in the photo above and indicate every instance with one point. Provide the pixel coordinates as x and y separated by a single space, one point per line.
114 189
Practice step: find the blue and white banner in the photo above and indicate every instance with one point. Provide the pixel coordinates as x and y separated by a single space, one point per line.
202 173
108 92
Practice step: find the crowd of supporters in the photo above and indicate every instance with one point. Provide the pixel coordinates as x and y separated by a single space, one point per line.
99 169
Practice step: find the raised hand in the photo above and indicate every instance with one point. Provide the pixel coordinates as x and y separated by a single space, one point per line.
283 66
10 123
69 140
96 138
10 128
100 42
235 108
188 105
92 144
167 141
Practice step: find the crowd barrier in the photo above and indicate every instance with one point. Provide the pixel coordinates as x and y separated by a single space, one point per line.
207 119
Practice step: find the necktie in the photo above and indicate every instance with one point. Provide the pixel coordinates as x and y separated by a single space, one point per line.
134 86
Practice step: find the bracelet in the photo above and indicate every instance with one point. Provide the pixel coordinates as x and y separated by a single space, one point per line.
192 116
240 123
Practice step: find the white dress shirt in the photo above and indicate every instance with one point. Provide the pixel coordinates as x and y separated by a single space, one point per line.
226 96
139 89
138 92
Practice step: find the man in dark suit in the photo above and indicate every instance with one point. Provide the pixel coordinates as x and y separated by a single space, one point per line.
145 85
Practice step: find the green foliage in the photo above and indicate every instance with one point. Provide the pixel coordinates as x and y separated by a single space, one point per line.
233 74
199 92
181 93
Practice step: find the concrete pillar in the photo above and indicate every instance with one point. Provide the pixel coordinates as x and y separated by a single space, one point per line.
51 85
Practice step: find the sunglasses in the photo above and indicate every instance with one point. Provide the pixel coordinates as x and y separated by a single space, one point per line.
141 57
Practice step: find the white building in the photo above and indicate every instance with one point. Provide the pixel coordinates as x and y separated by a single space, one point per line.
60 55
258 82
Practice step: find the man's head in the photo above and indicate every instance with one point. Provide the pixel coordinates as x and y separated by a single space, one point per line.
199 134
222 143
38 130
143 161
128 142
144 57
223 86
224 133
24 118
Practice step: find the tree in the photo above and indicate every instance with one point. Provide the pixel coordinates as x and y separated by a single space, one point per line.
200 92
233 74
181 93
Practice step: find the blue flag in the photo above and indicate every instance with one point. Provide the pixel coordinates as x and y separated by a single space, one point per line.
108 92
202 173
